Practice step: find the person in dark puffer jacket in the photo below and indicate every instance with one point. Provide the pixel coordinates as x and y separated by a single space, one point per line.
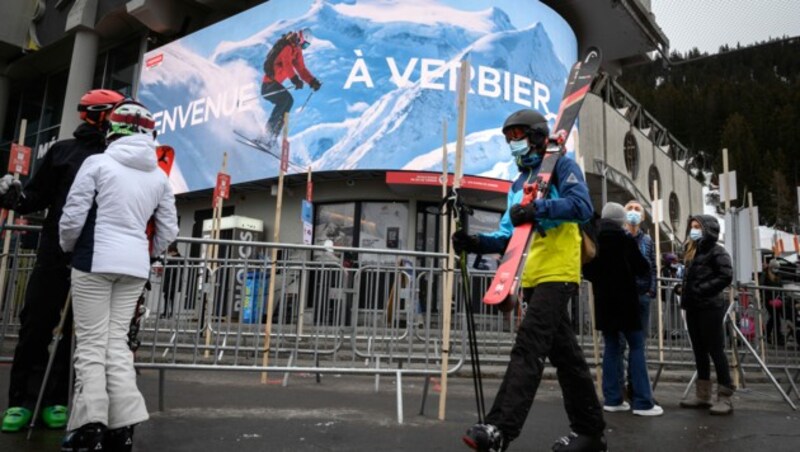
708 273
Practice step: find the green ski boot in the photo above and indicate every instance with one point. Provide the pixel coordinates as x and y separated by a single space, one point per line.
55 416
15 419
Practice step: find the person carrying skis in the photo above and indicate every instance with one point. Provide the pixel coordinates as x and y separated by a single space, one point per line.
285 61
48 284
103 226
550 277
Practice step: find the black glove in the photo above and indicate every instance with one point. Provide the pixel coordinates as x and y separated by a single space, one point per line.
315 84
298 84
520 214
465 242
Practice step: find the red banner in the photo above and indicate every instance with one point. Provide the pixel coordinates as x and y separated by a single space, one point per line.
19 160
309 191
435 179
285 155
223 188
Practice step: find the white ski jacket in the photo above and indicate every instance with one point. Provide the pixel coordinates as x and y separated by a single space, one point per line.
112 198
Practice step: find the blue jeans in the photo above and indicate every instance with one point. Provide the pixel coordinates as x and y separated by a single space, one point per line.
637 369
644 318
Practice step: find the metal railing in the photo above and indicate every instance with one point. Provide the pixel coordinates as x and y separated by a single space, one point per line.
356 311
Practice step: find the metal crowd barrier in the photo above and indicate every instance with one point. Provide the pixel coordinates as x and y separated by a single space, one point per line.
356 311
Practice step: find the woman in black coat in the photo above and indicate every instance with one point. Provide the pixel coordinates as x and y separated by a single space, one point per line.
708 272
613 275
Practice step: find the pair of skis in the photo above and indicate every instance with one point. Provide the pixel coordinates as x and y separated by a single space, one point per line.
504 289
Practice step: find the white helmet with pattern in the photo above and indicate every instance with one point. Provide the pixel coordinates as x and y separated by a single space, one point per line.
129 118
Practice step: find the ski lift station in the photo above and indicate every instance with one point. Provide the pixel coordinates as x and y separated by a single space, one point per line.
370 91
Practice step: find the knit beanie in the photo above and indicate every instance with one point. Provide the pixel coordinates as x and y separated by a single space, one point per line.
614 212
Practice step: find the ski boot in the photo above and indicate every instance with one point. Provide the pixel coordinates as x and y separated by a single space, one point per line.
575 442
87 438
15 419
119 440
485 438
55 416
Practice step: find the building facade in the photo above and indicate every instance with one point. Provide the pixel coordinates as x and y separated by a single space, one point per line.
51 52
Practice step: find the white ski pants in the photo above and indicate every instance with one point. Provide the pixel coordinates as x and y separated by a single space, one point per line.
105 380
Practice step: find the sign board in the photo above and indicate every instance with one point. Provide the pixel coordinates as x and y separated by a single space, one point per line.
285 156
739 241
434 179
388 72
223 186
723 183
19 160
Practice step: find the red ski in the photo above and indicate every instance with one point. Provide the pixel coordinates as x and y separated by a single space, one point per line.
504 287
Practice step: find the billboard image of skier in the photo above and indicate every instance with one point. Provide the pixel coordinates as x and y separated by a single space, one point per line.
367 84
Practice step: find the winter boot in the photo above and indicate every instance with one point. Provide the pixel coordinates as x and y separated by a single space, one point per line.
575 442
485 438
723 405
119 440
702 398
87 438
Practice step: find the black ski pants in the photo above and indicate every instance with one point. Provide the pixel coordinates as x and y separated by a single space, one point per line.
707 333
45 295
278 95
546 332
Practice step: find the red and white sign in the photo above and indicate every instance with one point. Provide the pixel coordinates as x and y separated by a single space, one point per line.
20 159
154 60
435 179
223 188
284 155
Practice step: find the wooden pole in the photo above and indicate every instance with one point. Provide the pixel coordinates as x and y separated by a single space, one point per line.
754 249
23 127
276 237
726 171
462 118
657 235
213 254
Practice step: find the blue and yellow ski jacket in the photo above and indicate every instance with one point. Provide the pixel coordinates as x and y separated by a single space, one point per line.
556 256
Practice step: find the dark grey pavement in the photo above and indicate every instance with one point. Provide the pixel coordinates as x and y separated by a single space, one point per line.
207 411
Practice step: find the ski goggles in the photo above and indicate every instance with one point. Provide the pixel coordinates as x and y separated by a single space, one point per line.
305 45
515 133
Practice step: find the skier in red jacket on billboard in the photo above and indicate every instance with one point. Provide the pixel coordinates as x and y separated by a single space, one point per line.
285 61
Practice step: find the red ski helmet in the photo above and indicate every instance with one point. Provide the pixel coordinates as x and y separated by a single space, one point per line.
95 105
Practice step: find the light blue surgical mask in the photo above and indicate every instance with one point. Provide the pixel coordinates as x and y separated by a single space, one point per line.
696 234
519 148
633 217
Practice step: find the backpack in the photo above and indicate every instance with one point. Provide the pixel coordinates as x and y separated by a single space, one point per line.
589 232
272 55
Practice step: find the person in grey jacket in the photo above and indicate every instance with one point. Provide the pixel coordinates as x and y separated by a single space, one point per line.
103 226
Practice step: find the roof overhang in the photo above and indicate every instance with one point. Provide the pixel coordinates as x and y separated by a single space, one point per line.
625 30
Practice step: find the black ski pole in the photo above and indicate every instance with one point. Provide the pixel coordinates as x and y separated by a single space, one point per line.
462 213
306 102
56 339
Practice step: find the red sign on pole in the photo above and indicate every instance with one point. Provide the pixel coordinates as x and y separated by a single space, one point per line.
309 191
285 155
222 189
19 160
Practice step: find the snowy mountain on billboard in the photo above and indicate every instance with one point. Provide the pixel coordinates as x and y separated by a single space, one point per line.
394 121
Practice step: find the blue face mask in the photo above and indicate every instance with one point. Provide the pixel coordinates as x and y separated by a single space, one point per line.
696 234
519 148
633 217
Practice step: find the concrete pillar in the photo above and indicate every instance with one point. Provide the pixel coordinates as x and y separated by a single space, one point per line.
4 92
81 73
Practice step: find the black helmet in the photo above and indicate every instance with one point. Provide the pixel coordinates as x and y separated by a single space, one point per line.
534 122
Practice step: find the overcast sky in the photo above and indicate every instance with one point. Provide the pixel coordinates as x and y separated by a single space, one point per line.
708 24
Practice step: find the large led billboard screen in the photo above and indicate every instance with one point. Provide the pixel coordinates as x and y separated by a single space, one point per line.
367 84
